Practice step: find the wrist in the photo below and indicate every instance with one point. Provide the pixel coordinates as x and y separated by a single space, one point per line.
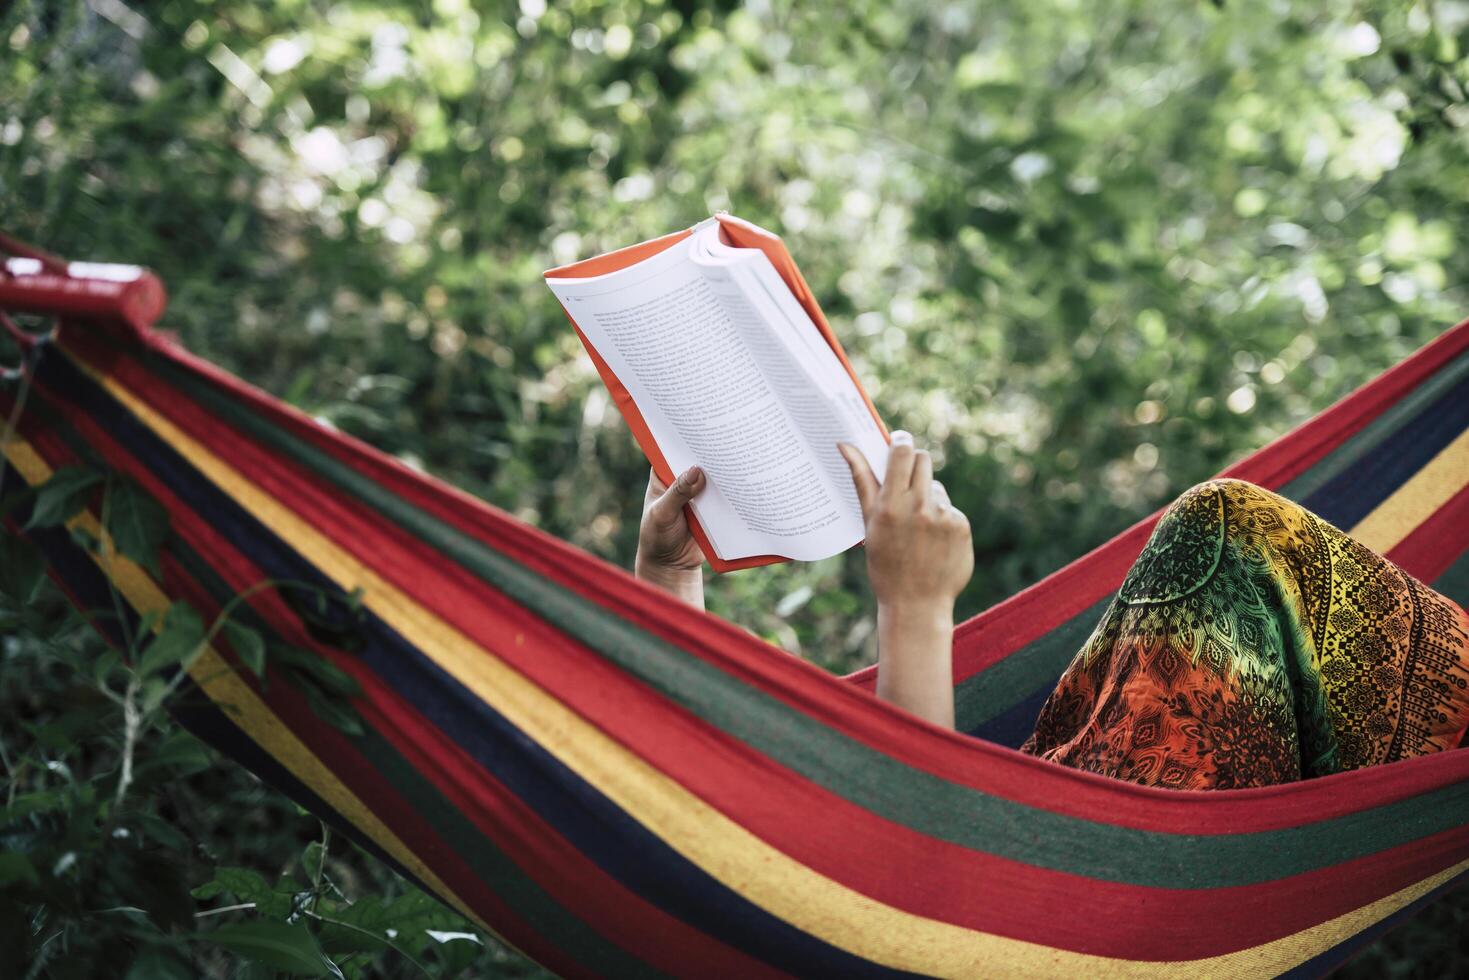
933 612
915 657
685 583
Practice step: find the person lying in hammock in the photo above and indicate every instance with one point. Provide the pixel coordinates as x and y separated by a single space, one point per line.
1251 642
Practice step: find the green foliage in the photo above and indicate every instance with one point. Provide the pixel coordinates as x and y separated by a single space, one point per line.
1091 253
101 846
63 496
137 523
280 946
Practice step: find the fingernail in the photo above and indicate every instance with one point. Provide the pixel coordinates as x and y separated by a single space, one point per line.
902 437
692 474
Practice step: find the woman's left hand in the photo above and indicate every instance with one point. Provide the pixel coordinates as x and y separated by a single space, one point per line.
668 555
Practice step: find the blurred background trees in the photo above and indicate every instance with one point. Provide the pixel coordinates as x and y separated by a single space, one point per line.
1089 252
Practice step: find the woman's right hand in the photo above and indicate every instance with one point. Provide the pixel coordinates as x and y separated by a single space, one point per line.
918 560
918 544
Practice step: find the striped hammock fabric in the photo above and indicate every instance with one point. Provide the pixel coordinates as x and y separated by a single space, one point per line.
620 786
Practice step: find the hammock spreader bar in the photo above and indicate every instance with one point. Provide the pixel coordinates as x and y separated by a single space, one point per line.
621 786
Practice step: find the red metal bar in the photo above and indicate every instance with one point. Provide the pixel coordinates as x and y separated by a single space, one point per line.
32 281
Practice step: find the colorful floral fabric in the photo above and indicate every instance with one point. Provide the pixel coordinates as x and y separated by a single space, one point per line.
1253 643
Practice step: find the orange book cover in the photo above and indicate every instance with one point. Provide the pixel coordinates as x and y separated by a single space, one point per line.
740 234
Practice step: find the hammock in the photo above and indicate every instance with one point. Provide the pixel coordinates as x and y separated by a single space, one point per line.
618 785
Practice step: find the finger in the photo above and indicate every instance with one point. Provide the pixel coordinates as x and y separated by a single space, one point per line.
939 494
900 465
688 485
862 476
921 483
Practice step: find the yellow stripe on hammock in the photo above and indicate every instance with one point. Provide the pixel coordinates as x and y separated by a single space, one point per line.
1412 503
724 849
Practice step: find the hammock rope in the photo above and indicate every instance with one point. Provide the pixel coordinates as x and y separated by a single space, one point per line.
619 785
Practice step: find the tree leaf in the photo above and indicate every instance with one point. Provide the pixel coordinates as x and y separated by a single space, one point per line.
15 867
180 755
248 645
62 496
15 935
330 709
244 884
83 538
21 568
331 678
138 523
107 661
312 858
288 947
182 633
159 963
157 886
247 886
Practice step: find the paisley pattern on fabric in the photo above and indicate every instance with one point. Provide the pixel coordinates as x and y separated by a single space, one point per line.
1253 643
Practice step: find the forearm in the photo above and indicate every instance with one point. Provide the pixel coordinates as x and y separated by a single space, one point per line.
915 658
686 584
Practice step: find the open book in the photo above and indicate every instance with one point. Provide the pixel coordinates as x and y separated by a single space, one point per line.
717 354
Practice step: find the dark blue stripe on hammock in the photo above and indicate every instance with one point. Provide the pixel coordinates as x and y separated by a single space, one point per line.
1355 493
1012 727
1323 963
606 834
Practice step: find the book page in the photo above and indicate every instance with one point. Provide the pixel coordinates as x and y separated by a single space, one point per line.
707 391
816 388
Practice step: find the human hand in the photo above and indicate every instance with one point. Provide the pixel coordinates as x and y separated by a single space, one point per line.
918 544
668 556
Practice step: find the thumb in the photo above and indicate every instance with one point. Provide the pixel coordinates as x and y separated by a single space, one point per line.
684 489
862 476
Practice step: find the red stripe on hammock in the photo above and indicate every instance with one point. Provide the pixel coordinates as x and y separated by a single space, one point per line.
576 883
1433 546
1005 627
1014 898
966 761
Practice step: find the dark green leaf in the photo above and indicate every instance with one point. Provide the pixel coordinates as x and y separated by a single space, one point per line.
83 538
160 963
328 676
182 633
248 645
181 754
138 523
15 940
289 948
62 496
333 710
21 567
27 804
311 860
154 829
14 868
244 884
156 885
107 661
